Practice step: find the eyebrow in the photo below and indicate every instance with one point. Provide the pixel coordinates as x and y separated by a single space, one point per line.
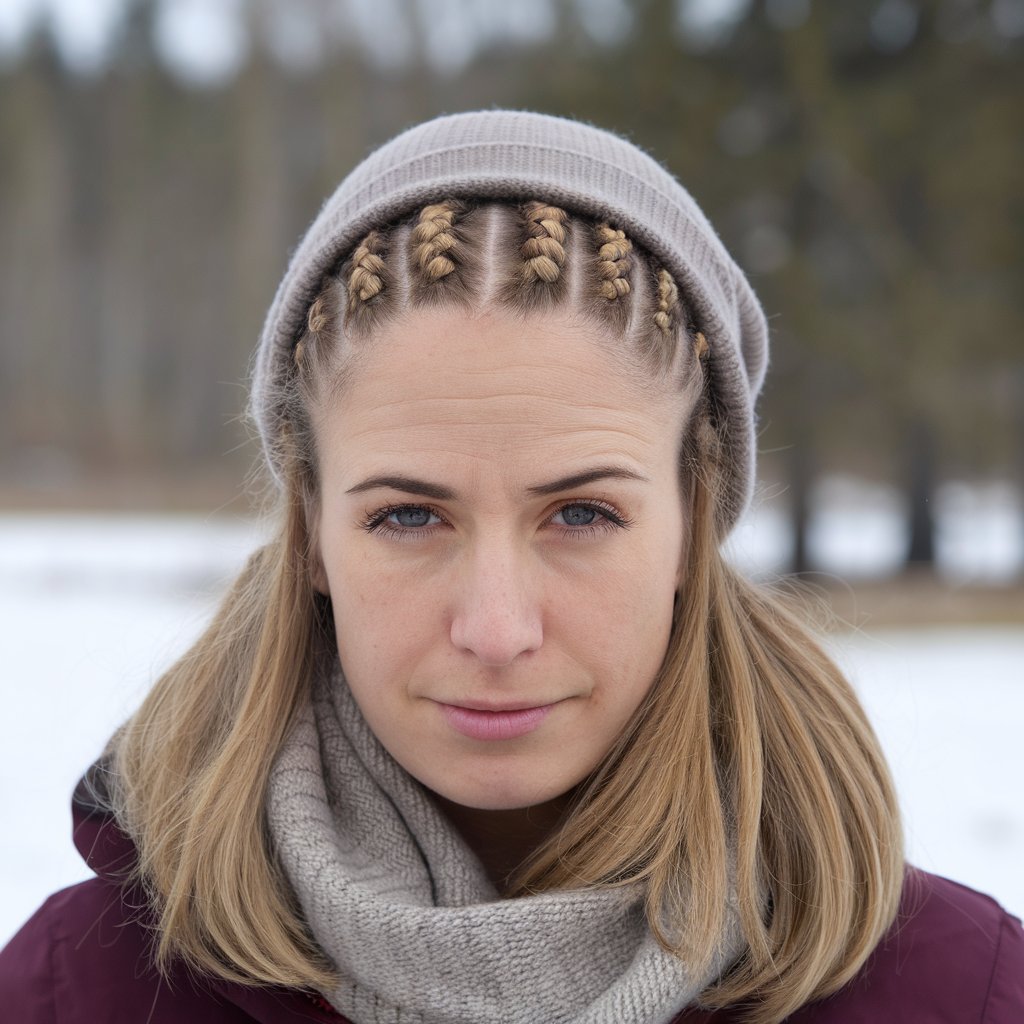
426 489
408 485
567 483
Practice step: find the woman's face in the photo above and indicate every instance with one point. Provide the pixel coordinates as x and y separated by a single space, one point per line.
501 533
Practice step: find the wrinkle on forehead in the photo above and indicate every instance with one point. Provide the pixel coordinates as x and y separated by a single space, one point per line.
494 386
522 412
578 387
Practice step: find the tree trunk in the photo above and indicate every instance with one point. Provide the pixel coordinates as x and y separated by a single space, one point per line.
801 475
920 494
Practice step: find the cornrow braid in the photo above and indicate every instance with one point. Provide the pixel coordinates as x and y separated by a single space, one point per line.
366 278
434 242
613 262
320 326
544 249
668 299
444 253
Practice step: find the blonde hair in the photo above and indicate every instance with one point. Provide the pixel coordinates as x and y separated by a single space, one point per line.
750 769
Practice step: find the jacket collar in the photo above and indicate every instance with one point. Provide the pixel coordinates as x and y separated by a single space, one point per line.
111 854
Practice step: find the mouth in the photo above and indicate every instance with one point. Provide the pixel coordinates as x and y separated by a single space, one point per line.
491 722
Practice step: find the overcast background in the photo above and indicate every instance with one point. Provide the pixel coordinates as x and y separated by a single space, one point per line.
863 160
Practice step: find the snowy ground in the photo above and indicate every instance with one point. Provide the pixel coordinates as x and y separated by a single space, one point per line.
93 608
857 529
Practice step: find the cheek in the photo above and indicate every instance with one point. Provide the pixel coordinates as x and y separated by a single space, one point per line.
377 616
620 622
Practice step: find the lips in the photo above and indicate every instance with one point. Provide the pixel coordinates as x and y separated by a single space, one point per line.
491 723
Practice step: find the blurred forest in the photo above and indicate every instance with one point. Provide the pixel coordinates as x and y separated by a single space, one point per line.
862 160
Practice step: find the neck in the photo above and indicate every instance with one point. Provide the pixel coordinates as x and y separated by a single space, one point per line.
503 840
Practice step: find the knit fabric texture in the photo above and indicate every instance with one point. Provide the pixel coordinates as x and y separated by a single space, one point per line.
404 910
518 156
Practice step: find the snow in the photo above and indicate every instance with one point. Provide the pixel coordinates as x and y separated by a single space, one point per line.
948 706
93 608
857 529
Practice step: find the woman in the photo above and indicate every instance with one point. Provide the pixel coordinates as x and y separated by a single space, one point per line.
491 732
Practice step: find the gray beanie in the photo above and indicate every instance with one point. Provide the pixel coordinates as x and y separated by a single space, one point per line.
518 155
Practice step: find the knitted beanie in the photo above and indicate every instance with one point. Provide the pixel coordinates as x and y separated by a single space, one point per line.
516 156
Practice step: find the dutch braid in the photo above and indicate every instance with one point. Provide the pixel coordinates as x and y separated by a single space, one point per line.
316 321
613 261
544 250
668 298
317 336
366 279
439 255
434 242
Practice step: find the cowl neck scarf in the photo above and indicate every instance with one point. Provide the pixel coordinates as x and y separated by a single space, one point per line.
418 933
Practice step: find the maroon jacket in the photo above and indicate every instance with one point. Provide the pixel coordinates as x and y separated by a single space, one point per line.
952 957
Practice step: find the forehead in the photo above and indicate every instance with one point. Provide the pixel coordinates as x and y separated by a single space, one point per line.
471 384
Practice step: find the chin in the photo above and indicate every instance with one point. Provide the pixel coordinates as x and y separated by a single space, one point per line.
498 797
493 802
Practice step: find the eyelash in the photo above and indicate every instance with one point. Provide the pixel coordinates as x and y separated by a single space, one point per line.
610 519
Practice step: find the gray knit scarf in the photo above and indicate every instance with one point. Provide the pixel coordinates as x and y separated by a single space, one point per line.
416 930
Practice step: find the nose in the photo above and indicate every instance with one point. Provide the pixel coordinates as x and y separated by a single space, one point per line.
497 613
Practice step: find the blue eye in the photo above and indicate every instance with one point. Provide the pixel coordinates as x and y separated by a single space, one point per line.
410 516
578 515
583 518
402 521
576 519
